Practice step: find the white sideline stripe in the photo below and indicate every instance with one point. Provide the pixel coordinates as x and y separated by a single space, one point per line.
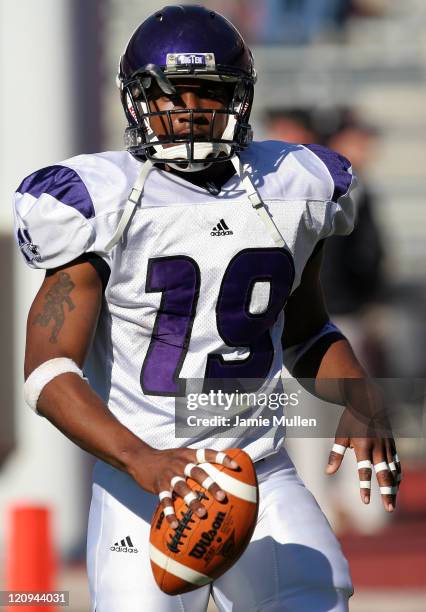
176 568
230 484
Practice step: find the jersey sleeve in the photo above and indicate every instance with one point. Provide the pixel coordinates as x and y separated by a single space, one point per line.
55 219
339 214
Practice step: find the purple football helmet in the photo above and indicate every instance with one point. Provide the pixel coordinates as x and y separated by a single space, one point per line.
190 42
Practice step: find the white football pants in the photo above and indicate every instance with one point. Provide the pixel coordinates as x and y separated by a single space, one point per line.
293 563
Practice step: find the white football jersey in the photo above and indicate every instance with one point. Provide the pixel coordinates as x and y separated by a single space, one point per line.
197 287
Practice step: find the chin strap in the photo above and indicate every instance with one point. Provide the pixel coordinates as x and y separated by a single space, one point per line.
251 191
177 156
257 203
131 204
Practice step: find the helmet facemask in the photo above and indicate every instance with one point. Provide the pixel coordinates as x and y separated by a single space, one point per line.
188 152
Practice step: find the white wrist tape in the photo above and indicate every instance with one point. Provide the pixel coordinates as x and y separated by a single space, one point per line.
42 375
292 354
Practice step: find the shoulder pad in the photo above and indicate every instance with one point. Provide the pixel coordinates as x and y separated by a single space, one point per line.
61 183
65 210
52 213
289 171
339 168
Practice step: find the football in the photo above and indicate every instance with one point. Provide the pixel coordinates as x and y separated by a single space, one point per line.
200 550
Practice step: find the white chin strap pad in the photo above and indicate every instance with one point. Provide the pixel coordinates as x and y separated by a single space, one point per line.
182 152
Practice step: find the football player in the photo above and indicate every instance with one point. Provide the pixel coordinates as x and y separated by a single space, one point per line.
193 255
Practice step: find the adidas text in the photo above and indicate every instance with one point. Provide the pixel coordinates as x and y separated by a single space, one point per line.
125 545
124 549
222 233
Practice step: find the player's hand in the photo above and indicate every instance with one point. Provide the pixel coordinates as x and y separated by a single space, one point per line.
164 473
375 449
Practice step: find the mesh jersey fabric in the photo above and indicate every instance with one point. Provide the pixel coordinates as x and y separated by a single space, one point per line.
186 298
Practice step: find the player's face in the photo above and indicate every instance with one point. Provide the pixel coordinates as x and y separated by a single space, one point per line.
191 94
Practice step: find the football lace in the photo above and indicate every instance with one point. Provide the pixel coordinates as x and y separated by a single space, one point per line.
176 539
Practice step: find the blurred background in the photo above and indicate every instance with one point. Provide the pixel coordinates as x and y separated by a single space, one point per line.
349 74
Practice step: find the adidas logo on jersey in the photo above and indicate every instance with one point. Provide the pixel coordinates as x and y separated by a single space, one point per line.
125 546
221 229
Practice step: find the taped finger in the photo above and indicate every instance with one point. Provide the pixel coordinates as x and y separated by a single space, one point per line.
364 464
207 482
190 497
339 449
220 457
168 510
165 495
175 480
381 467
365 484
397 462
188 468
388 490
201 455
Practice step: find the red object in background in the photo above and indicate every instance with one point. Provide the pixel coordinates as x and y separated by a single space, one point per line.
412 495
30 558
394 558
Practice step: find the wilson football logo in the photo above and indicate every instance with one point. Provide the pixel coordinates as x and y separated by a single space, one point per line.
208 537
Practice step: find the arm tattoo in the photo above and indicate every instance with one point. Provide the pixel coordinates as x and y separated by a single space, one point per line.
54 305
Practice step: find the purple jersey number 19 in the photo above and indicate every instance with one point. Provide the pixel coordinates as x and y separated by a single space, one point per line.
178 278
